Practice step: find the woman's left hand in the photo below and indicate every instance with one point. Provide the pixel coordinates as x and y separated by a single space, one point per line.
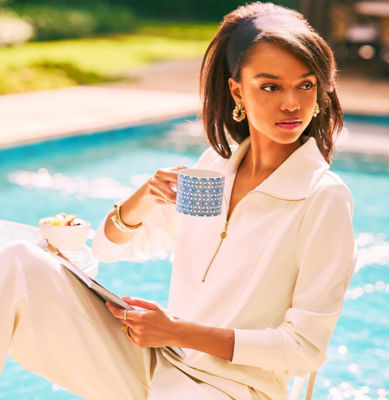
151 326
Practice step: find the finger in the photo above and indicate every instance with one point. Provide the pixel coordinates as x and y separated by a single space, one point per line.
117 312
179 168
161 189
140 303
161 199
164 202
132 315
111 307
163 185
127 331
163 193
169 173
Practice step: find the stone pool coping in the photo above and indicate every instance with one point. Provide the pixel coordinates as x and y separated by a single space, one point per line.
31 117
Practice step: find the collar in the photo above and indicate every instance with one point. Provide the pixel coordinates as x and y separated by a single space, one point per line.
294 179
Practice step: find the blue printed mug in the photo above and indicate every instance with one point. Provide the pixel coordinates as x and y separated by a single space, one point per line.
200 192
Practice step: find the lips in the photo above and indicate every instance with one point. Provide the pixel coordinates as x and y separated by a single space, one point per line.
289 123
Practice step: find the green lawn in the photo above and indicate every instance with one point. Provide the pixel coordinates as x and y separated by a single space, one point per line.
45 65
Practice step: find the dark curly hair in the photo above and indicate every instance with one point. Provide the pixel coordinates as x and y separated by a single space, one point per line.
306 45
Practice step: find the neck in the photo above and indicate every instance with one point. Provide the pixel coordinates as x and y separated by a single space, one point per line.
265 156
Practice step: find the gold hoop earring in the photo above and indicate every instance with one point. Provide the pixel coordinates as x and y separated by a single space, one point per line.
316 111
238 113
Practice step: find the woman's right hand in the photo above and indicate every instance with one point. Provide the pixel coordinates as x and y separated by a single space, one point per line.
159 189
162 186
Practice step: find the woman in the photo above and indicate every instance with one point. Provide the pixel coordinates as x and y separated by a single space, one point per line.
256 292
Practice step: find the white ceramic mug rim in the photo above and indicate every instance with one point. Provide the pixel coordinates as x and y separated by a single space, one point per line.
201 173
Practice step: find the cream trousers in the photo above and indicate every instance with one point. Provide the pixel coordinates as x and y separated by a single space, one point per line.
51 324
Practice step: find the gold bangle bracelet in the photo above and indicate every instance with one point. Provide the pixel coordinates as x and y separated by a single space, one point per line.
118 222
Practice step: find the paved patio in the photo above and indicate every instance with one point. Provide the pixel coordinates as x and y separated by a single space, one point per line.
162 91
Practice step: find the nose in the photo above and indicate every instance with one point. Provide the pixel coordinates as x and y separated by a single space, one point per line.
290 103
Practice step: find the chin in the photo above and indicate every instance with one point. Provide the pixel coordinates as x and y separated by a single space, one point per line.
287 139
278 135
284 136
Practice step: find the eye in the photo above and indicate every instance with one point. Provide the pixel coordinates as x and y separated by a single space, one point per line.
307 85
269 88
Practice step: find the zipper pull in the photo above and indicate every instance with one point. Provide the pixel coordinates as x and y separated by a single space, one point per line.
224 233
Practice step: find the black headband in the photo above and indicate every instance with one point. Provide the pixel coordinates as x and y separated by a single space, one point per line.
246 33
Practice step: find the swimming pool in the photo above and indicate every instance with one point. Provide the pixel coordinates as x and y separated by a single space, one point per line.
85 174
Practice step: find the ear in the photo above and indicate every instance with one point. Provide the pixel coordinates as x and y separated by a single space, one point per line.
236 91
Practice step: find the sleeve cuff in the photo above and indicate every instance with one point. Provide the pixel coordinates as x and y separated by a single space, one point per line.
259 348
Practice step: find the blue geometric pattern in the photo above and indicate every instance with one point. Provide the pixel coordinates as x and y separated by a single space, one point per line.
199 196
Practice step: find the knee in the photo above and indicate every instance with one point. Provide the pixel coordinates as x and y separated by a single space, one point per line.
22 256
27 270
16 249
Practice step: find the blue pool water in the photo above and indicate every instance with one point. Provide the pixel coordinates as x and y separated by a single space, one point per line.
85 174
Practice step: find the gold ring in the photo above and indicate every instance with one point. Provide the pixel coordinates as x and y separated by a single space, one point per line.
126 330
125 315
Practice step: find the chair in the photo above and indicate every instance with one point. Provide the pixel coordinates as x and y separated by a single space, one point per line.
298 386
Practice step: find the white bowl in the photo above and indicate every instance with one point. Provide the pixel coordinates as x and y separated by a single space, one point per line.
65 237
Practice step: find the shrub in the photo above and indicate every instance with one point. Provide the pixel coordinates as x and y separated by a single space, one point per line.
114 19
75 22
208 10
13 29
51 23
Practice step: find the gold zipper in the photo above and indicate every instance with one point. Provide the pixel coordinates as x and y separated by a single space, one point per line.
223 235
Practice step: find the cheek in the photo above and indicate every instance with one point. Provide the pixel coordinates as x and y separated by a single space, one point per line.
259 104
261 111
306 106
308 100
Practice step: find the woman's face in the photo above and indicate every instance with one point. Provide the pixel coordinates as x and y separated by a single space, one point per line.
278 92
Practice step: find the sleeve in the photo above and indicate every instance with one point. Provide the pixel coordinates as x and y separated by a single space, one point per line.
158 232
326 256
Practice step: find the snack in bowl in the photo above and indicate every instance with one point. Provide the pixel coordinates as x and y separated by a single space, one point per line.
65 231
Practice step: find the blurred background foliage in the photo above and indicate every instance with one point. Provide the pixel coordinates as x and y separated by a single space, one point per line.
55 64
55 43
211 10
61 19
58 19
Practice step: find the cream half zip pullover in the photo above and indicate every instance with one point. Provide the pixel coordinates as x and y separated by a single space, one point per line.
276 272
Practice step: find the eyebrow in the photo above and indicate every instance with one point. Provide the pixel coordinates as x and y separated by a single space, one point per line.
271 76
